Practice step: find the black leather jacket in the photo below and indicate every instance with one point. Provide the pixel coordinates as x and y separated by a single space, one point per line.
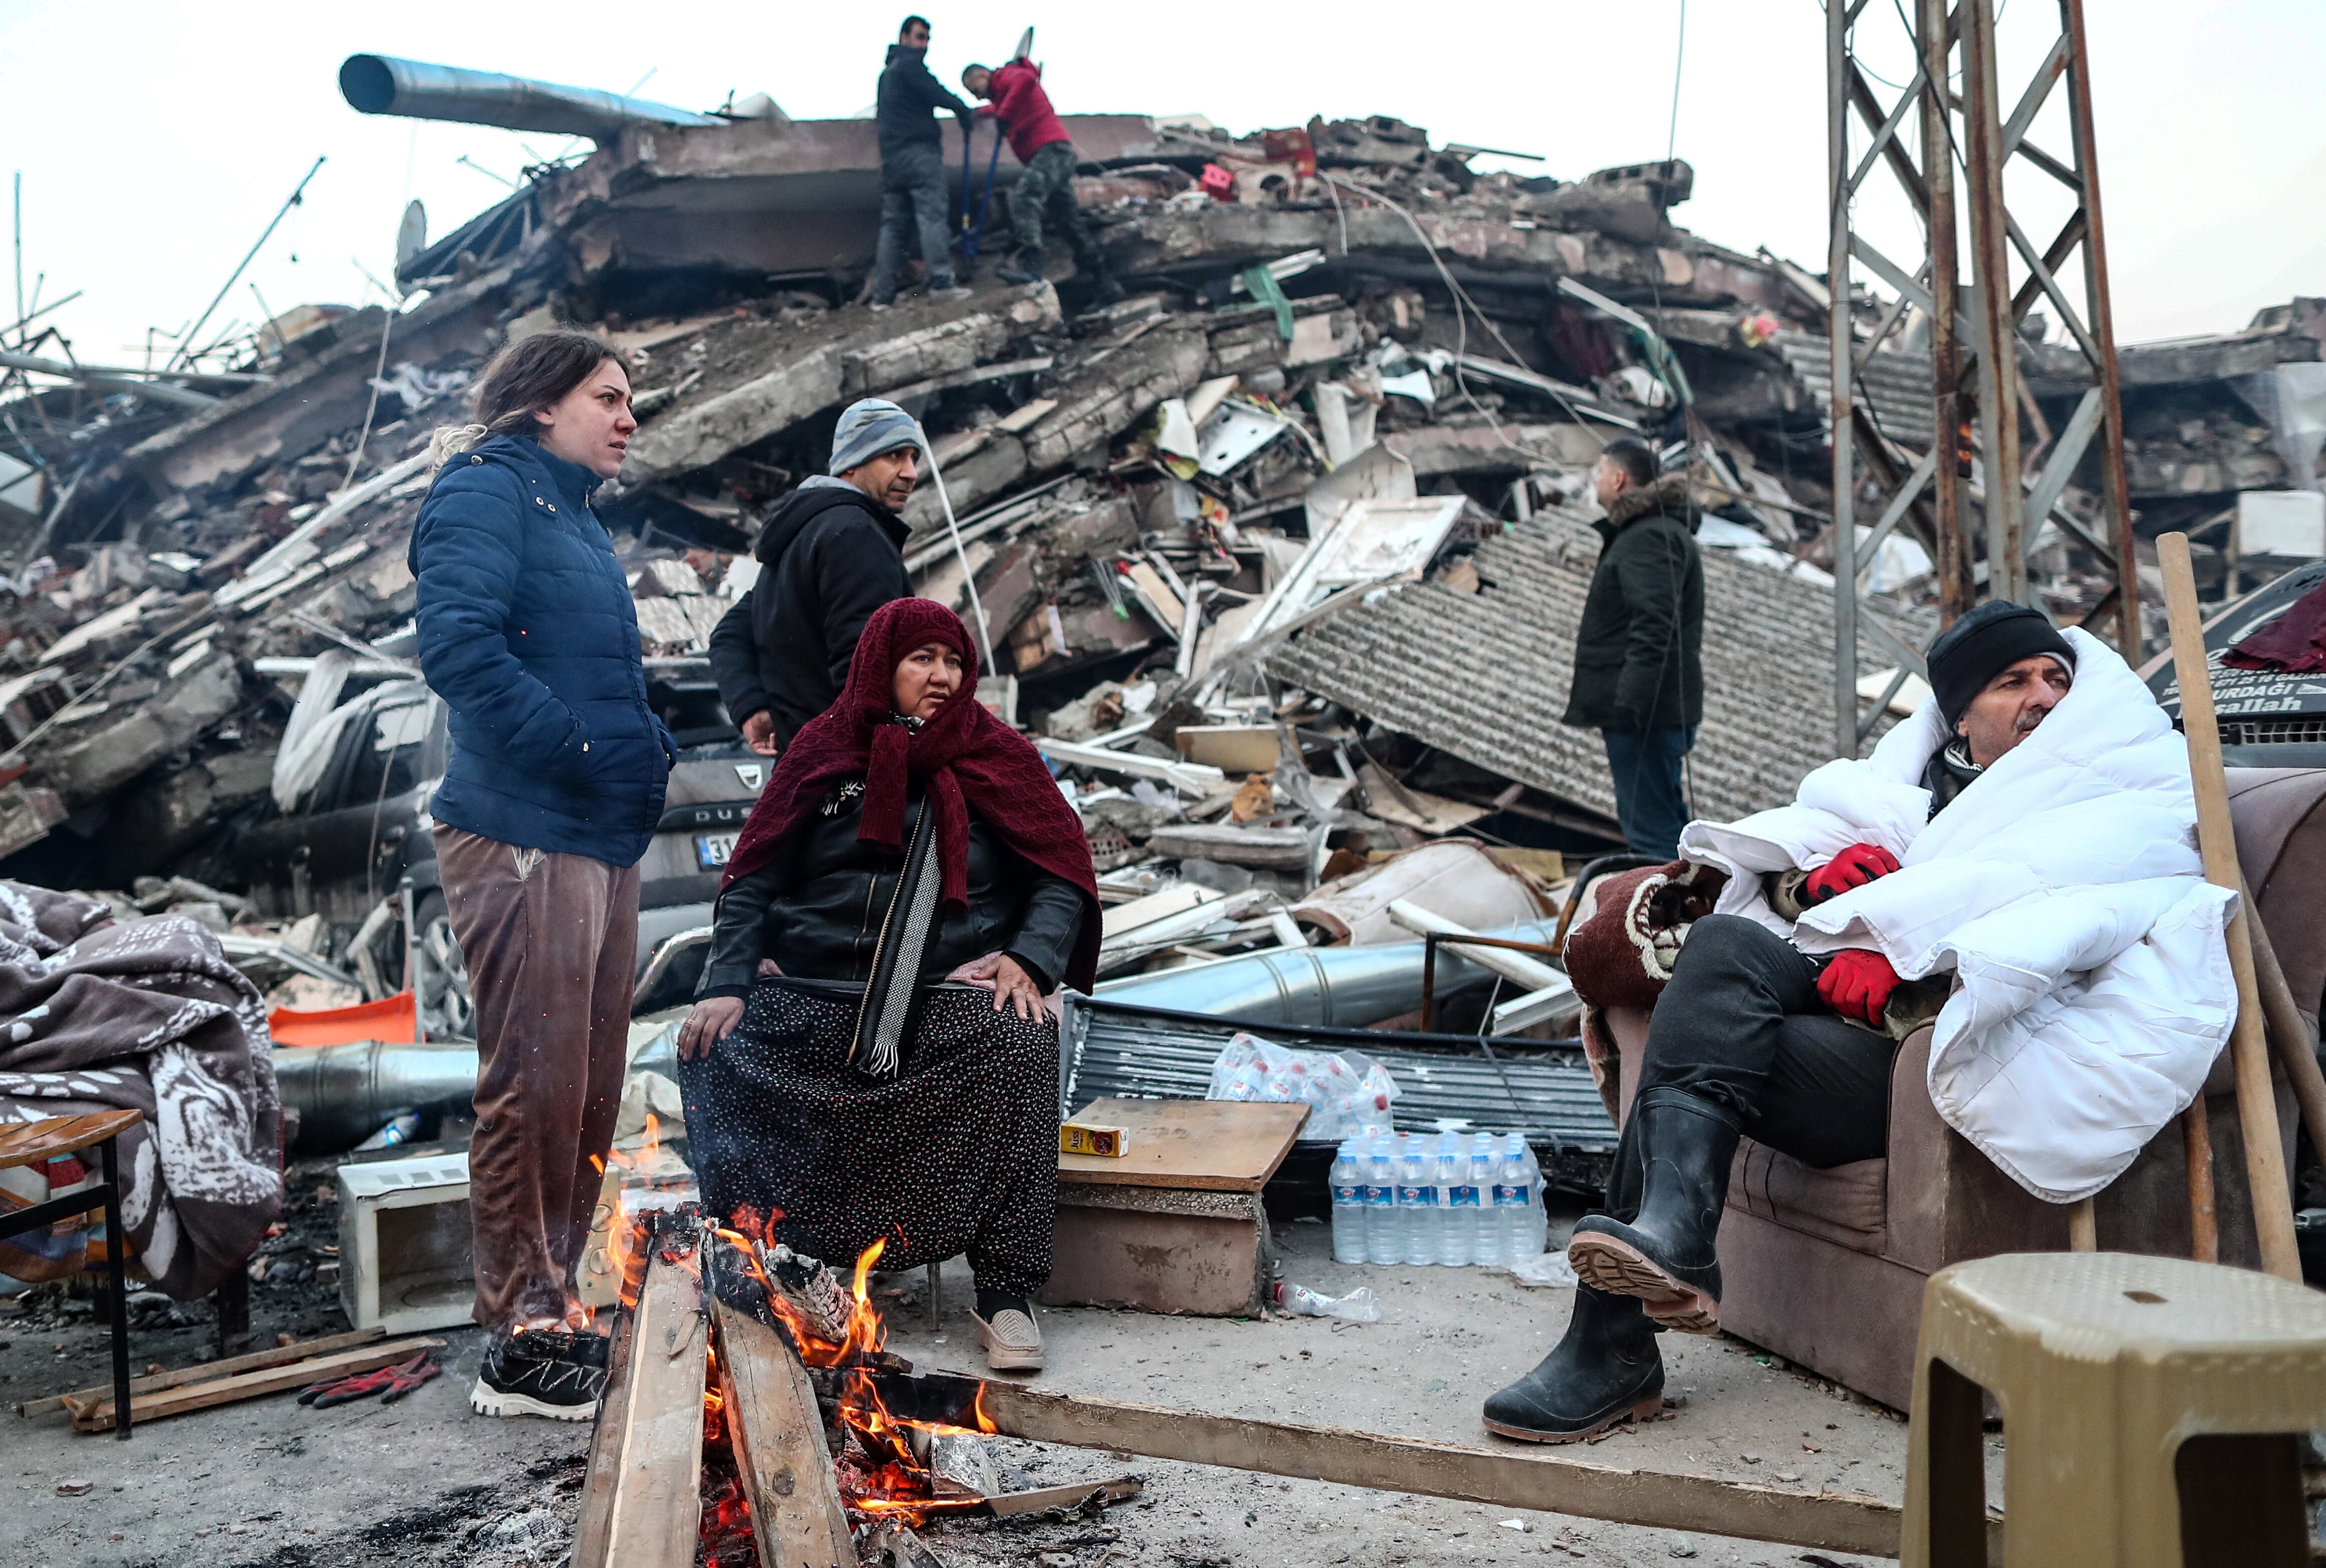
815 908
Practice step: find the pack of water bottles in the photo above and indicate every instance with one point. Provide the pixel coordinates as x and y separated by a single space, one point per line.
1350 1094
1454 1198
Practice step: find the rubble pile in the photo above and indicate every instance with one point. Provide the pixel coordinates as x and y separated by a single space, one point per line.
1279 556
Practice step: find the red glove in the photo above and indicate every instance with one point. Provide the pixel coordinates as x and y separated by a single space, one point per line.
390 1383
1857 983
1853 867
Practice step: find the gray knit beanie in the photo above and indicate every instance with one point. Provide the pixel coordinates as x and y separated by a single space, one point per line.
868 428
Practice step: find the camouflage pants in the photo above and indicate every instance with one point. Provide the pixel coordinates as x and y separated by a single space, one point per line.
1048 186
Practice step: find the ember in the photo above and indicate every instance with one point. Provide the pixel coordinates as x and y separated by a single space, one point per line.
725 1539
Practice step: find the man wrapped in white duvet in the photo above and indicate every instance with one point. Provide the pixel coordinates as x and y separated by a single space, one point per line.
2018 861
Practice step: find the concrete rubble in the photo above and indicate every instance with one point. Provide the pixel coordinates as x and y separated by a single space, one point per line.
1279 558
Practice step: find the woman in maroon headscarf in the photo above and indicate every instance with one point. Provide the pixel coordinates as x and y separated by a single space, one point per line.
869 1057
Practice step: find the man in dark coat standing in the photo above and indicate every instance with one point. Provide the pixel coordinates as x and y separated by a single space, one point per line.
830 554
1639 665
912 166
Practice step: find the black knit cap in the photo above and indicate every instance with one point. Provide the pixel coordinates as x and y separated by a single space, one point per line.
1983 644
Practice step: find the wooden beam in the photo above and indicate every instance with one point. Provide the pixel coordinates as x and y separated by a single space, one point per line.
778 1433
1832 1521
253 1385
642 1500
201 1372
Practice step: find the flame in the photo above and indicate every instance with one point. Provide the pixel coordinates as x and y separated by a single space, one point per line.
624 1252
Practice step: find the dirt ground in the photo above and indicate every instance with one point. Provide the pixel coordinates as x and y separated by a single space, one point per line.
270 1484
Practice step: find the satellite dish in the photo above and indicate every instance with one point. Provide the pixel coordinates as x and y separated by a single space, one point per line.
411 233
1025 50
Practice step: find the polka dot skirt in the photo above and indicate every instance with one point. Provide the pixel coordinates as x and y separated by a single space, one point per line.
958 1154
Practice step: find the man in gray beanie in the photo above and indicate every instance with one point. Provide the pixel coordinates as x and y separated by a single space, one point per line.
830 553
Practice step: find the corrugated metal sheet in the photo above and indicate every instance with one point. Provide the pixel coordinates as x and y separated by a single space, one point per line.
1111 1049
1484 676
1898 384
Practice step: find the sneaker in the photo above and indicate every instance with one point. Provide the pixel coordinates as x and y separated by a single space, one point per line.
876 306
950 292
1013 1343
542 1372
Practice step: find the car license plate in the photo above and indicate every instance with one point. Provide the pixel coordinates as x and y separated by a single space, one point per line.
712 849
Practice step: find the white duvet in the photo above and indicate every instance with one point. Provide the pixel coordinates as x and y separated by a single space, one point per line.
2063 889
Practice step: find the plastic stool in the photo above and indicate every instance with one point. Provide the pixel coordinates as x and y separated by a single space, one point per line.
2151 1409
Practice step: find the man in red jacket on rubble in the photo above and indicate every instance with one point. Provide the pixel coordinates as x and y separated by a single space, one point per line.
1014 95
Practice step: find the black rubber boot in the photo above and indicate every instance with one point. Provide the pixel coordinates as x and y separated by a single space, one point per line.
1108 289
1682 1145
1025 268
1605 1371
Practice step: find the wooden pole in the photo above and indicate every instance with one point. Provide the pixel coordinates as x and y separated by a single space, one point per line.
2273 1199
2197 1149
2287 1031
2083 1227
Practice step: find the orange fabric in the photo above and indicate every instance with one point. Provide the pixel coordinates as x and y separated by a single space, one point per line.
389 1019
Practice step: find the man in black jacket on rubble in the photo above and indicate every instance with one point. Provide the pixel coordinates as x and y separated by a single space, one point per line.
912 166
1639 654
830 554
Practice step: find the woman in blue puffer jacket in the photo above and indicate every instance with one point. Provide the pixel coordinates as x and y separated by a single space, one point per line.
552 795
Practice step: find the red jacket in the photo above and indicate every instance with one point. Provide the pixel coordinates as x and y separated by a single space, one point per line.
1024 109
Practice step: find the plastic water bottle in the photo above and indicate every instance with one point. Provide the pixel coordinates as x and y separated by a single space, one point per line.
1484 1166
1383 1240
1348 1183
1514 1201
1416 1197
1458 1203
1538 1211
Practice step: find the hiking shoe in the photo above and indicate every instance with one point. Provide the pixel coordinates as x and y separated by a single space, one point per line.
1013 1343
1025 268
541 1372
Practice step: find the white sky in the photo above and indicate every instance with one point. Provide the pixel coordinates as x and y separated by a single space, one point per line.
155 140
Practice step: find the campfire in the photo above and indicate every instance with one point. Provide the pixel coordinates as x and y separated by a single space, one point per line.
889 1471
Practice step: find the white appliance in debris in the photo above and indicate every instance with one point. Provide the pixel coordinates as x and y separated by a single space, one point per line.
405 1256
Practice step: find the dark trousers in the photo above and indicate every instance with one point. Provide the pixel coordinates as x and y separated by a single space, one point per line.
1649 802
1047 188
913 196
1741 1026
551 942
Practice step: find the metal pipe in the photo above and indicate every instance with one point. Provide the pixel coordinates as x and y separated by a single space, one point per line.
1331 986
380 84
1841 342
345 1093
103 378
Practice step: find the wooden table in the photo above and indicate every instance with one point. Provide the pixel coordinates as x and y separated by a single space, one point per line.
1176 1224
33 1143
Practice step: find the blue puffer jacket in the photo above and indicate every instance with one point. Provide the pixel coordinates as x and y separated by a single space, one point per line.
527 632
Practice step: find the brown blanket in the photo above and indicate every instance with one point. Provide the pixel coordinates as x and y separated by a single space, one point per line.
1627 933
146 1015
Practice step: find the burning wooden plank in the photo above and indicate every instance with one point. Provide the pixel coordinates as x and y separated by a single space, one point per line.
778 1434
642 1502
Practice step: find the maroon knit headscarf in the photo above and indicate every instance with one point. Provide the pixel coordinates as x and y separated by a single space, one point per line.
965 759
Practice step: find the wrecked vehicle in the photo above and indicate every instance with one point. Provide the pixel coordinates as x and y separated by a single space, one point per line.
347 828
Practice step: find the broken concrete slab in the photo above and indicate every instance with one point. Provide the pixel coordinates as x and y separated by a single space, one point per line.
1110 396
304 408
800 371
119 750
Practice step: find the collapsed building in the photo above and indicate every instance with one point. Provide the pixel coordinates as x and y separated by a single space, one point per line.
1279 558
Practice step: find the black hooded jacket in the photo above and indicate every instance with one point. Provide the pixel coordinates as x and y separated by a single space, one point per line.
908 94
829 556
1639 654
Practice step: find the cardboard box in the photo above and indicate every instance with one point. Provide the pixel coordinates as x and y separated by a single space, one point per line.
1109 1143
